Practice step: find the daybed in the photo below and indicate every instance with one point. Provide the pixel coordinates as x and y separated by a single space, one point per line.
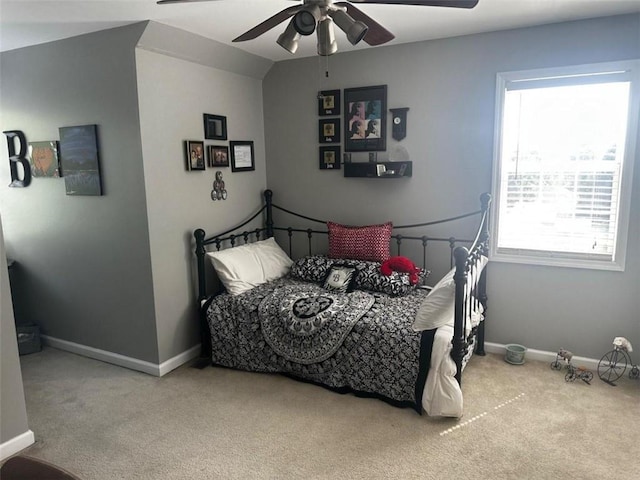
351 319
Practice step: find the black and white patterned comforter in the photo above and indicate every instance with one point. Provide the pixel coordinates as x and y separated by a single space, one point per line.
360 342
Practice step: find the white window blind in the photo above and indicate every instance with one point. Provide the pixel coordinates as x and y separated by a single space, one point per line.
560 165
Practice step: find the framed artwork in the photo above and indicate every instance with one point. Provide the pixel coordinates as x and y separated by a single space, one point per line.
329 130
194 154
365 119
215 127
218 156
79 160
330 158
328 102
242 159
43 157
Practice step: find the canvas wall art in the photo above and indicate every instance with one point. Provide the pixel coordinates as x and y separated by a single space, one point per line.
79 160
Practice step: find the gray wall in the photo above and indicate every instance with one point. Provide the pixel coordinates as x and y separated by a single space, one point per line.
13 412
175 88
117 272
449 86
84 265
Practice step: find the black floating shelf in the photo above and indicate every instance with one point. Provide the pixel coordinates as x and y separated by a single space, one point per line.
378 169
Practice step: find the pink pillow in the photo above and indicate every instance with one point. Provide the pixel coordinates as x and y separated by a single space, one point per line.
360 243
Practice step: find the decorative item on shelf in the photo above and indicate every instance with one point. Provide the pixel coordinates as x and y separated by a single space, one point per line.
215 127
219 191
346 157
242 158
330 158
43 157
614 363
365 118
79 160
399 122
378 169
329 130
515 354
218 156
328 103
194 155
373 157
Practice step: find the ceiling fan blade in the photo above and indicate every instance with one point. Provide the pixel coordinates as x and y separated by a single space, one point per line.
268 24
165 2
426 3
377 34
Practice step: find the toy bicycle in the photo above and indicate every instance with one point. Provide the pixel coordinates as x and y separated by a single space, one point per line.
614 363
578 372
564 358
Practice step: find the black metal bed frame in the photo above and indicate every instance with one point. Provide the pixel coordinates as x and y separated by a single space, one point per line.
469 276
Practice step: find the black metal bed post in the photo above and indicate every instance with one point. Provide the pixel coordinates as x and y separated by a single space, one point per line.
485 202
460 255
205 339
268 199
200 251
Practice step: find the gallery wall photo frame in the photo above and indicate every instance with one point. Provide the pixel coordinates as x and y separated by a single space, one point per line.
79 160
330 158
194 154
329 130
365 119
242 156
215 127
44 158
328 103
218 156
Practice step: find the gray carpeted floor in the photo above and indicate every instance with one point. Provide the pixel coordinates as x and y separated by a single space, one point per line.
100 422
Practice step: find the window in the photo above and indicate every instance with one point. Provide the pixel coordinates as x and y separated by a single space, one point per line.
564 154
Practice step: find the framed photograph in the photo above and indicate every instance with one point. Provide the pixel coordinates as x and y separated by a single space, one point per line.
242 159
43 157
328 102
218 156
194 154
329 130
79 160
215 127
329 158
365 119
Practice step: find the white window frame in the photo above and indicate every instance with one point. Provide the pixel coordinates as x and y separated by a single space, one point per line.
577 74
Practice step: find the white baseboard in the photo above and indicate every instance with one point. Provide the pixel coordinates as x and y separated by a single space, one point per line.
543 355
121 360
16 444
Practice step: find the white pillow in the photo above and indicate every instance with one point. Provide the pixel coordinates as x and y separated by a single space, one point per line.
438 308
247 266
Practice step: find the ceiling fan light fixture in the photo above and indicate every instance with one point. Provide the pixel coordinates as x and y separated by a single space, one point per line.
355 30
327 44
305 20
289 38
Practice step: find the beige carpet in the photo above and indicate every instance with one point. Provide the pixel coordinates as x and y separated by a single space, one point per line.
521 422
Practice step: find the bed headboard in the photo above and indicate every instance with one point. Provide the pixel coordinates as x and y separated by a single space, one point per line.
237 236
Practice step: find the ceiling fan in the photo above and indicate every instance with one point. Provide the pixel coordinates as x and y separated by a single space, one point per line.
320 15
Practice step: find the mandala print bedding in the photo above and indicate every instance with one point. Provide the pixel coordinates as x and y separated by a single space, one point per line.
360 342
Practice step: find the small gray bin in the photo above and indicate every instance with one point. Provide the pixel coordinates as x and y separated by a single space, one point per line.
28 339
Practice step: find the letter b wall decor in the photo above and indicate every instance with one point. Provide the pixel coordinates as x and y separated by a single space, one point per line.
12 136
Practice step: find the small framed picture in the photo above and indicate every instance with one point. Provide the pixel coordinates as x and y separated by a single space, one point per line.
43 157
218 156
215 127
328 102
329 130
194 151
242 158
330 158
